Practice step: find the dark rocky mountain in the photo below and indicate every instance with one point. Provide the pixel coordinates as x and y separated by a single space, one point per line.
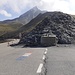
60 24
24 18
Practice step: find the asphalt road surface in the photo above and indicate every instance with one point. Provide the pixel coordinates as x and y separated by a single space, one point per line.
37 61
20 61
60 61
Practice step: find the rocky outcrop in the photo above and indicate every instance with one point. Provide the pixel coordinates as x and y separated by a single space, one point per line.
57 23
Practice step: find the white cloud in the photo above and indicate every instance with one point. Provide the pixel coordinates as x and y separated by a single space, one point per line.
18 5
3 2
67 6
3 12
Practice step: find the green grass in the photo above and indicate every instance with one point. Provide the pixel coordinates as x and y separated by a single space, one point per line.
6 30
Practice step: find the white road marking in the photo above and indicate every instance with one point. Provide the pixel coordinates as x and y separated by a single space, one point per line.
40 68
27 54
24 56
44 57
45 52
46 49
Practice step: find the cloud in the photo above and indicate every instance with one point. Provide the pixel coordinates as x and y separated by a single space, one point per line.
3 2
66 6
3 12
17 6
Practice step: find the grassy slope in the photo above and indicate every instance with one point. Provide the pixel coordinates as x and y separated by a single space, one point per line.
5 28
8 28
32 24
24 29
17 27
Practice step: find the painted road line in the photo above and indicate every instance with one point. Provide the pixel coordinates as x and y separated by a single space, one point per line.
44 57
46 49
27 54
45 52
24 56
40 68
21 58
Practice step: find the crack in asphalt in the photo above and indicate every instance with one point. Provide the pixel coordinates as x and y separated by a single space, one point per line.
44 69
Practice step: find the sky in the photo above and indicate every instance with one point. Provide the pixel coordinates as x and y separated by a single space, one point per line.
10 9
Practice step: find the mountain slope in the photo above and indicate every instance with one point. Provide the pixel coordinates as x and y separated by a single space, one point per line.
26 17
18 22
29 15
60 24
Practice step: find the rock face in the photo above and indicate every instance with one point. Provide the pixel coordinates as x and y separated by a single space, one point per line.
57 23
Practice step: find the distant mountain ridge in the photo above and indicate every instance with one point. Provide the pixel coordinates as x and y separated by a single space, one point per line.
24 18
15 24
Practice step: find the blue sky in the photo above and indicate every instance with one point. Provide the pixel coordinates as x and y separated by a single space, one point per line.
10 9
